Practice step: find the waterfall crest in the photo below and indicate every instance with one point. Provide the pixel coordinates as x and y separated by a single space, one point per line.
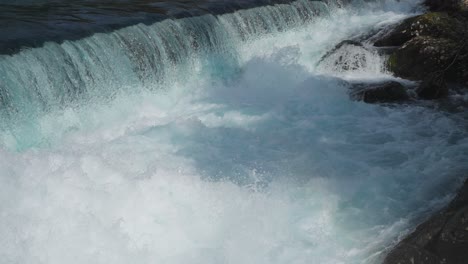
140 56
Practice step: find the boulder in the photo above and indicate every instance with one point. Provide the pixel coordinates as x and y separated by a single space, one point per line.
435 24
349 55
425 56
435 61
337 57
441 239
432 48
432 88
386 92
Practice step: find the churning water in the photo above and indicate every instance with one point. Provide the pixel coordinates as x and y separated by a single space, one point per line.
216 139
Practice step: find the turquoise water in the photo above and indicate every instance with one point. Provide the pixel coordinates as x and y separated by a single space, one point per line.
230 146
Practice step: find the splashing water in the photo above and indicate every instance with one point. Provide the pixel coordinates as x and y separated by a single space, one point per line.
236 150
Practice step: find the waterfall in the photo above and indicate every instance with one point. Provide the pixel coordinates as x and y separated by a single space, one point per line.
138 57
217 139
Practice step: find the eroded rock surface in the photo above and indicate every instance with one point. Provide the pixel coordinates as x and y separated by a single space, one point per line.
431 48
385 92
443 239
348 55
447 5
435 24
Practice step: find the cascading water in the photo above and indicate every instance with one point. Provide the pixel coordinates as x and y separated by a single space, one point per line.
135 58
216 139
139 56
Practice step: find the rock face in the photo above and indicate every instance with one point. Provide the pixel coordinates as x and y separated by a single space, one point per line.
425 56
435 24
432 48
348 55
443 239
432 88
386 92
447 5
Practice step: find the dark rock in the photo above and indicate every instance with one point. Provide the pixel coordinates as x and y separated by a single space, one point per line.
431 47
348 42
453 240
432 88
409 254
338 47
423 56
442 239
348 55
436 25
387 92
447 5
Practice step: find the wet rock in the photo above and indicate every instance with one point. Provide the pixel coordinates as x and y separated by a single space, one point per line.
425 56
349 55
431 48
442 239
435 24
338 57
409 254
432 88
386 92
453 241
447 5
343 43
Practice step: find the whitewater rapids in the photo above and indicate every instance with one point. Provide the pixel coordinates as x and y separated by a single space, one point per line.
245 152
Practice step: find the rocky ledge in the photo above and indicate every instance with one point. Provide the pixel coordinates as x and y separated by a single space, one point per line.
431 48
443 239
382 92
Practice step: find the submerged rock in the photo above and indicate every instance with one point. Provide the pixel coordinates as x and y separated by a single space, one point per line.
386 92
340 45
348 55
443 239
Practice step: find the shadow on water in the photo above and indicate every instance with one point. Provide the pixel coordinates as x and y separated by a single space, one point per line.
28 23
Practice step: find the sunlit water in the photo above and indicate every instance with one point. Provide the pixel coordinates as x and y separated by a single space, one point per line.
255 155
